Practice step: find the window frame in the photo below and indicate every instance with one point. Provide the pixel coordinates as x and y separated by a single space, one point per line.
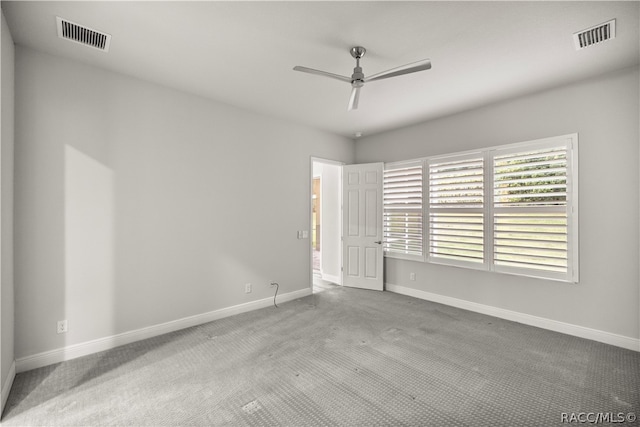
569 142
570 208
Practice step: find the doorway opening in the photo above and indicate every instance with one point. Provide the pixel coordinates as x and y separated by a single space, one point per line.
316 197
326 224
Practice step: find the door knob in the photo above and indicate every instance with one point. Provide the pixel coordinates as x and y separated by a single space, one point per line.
379 242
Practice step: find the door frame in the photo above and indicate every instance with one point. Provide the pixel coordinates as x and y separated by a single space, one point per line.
313 160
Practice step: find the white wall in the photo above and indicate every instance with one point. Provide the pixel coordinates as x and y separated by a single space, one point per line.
6 214
138 205
605 113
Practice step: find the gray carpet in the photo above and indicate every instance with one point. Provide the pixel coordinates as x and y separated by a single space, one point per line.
339 357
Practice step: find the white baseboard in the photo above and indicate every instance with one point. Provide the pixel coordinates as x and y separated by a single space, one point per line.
331 278
527 319
6 387
77 350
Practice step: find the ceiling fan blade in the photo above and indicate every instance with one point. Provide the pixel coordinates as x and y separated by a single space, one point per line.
355 97
422 65
322 73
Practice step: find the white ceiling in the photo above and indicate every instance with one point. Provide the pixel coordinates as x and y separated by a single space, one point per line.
242 53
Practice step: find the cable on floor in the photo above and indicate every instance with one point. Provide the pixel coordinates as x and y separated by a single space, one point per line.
276 294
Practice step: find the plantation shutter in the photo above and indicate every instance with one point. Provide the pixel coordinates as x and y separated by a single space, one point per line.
532 210
402 226
456 209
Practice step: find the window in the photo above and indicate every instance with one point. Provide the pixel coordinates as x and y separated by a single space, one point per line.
532 191
402 223
456 209
510 209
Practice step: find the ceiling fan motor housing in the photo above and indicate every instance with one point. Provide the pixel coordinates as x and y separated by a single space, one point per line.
357 78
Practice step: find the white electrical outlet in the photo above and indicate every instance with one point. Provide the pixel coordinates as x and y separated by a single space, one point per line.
412 276
63 326
247 288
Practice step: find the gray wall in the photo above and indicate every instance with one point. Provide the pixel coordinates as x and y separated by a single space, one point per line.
138 205
6 207
605 113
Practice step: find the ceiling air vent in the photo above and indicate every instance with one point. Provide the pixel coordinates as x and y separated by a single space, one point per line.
83 35
595 35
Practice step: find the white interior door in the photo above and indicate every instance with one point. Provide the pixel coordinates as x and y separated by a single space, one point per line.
362 258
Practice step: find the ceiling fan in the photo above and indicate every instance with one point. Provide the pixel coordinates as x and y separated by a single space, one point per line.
358 79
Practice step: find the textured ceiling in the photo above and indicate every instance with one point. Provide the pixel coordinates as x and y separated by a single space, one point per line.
242 53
